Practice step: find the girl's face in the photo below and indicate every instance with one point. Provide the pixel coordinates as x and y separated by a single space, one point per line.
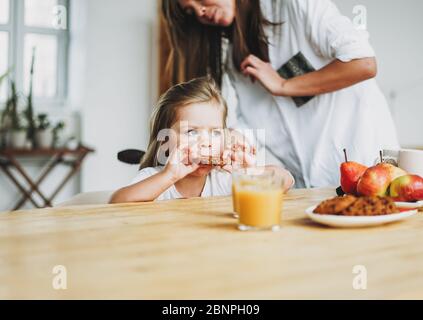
201 124
211 12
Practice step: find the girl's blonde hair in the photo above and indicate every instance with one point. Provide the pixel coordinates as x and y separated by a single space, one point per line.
199 90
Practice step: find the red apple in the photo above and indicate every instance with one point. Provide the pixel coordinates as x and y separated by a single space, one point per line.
375 181
407 188
351 172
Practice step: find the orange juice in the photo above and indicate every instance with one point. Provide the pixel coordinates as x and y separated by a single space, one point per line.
257 198
234 199
261 208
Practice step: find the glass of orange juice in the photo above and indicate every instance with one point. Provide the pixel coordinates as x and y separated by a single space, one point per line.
258 198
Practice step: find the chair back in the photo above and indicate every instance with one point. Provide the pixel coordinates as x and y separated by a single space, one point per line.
131 156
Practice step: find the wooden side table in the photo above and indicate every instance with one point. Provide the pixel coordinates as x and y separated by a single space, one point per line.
9 161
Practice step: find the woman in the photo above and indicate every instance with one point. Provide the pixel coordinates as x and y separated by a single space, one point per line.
322 100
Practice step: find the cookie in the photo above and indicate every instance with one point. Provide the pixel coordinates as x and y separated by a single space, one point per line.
371 206
336 205
214 161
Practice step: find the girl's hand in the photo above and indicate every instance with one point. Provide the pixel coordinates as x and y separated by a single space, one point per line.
241 154
240 142
237 160
182 161
264 72
286 175
243 159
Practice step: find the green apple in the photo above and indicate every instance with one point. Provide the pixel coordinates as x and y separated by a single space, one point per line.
407 188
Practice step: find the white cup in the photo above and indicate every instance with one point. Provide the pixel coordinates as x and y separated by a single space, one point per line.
389 156
411 161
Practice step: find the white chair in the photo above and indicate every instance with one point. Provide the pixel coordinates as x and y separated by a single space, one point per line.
130 156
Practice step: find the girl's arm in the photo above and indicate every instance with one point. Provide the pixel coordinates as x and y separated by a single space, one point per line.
146 190
287 177
179 165
335 76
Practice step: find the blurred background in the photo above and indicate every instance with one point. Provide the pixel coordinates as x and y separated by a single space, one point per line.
98 64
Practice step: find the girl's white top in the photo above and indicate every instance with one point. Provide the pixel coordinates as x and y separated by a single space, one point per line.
309 140
218 183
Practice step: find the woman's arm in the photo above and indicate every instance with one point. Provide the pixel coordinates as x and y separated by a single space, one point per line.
147 190
335 76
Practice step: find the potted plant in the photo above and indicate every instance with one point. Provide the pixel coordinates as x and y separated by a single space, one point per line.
5 123
44 132
57 131
18 133
29 111
11 121
5 126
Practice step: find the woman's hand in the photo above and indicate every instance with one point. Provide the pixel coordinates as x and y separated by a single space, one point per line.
182 161
264 72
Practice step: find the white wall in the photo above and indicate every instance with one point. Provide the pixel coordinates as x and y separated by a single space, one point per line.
113 84
395 29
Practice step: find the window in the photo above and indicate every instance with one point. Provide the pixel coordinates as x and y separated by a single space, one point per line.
39 26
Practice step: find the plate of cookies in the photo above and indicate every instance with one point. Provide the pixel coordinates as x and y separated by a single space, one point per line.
354 212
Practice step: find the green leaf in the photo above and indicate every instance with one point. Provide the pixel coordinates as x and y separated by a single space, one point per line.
3 77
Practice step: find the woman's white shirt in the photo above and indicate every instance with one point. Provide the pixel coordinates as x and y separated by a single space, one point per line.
309 140
218 183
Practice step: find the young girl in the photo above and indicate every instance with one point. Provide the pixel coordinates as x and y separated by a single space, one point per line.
187 141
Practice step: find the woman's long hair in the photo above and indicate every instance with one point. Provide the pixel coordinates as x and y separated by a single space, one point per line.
196 49
198 90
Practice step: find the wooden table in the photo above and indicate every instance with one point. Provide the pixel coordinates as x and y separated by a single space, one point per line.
190 249
9 159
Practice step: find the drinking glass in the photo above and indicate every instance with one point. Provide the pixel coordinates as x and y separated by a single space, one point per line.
258 198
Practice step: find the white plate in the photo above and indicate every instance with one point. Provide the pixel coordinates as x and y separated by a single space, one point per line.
355 222
409 205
